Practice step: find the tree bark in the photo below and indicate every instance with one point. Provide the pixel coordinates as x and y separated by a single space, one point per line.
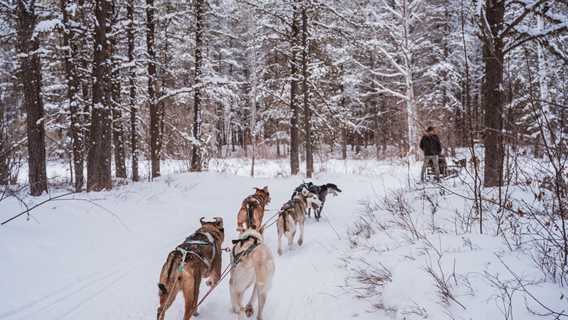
72 44
307 110
376 136
492 92
86 77
132 91
343 106
118 129
155 123
197 154
294 140
117 122
30 77
5 144
99 174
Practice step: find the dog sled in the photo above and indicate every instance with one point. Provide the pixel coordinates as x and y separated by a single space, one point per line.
447 171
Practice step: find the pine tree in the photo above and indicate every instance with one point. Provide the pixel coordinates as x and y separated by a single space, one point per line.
29 74
132 90
153 91
99 176
72 45
116 96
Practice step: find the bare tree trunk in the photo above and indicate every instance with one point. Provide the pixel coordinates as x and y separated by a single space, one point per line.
470 128
493 99
376 136
278 152
197 154
294 139
307 110
219 113
221 140
86 77
72 45
6 152
343 129
132 91
155 125
543 90
99 175
343 143
30 78
118 132
233 139
253 84
117 125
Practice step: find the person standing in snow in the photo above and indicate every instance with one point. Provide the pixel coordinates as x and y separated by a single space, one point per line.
431 146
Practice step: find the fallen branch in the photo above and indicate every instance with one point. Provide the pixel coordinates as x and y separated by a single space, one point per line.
27 211
61 198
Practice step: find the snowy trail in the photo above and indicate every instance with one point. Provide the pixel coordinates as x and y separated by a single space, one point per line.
78 262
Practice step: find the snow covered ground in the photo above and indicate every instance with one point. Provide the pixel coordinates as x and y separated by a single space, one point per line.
417 253
100 259
98 255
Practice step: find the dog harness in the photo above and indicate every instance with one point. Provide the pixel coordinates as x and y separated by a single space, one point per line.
192 241
246 236
288 205
252 201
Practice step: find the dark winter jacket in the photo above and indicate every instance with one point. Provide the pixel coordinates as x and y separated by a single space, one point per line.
430 144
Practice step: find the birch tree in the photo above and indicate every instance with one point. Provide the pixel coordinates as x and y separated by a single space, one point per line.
397 38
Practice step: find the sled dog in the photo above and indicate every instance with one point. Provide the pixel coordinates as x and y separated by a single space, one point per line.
199 256
321 191
251 213
253 266
291 216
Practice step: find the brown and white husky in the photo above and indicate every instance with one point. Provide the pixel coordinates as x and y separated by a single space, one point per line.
199 256
252 208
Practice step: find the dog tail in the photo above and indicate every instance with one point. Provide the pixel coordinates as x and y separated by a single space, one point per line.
167 274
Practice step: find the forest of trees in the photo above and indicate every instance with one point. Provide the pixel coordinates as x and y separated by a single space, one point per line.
106 84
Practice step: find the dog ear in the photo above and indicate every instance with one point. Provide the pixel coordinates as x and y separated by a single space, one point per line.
219 222
265 189
202 220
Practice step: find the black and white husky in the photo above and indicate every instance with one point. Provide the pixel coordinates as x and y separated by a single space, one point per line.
321 191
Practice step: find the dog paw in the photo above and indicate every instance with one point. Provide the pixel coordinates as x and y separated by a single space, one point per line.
300 242
248 310
196 314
